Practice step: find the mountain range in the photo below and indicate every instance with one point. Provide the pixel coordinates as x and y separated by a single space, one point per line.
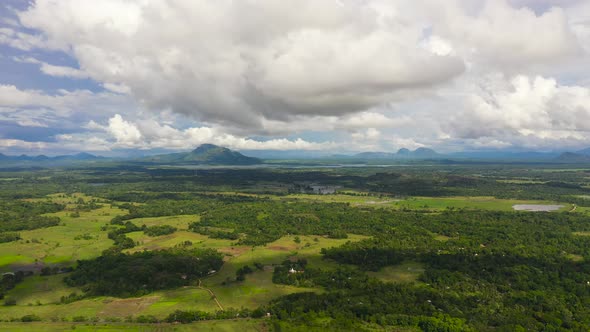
209 154
420 153
82 156
574 158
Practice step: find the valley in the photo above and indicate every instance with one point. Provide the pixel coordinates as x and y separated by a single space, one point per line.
380 230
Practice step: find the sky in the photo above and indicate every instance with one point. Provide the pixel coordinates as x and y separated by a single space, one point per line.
115 77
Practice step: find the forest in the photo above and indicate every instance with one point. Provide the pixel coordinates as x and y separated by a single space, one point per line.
403 248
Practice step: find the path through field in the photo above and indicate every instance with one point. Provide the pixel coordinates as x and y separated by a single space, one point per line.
212 295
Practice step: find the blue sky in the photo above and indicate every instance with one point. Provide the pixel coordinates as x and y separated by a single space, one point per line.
115 76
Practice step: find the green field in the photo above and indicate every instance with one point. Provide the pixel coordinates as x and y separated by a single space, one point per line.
84 235
422 203
40 295
58 245
467 203
405 272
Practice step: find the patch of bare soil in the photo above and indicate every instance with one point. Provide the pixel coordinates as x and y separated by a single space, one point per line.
280 248
235 251
126 307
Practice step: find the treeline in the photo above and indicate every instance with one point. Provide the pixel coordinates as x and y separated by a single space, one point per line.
9 237
8 281
213 233
121 241
172 207
18 215
159 230
143 272
266 221
372 302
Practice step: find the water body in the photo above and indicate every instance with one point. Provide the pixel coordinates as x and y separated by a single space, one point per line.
536 207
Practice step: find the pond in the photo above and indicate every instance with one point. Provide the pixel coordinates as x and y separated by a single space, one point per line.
536 207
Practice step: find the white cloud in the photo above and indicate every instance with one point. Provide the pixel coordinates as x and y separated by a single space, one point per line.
525 111
149 134
25 41
117 88
124 132
492 31
63 103
240 63
53 70
372 74
16 143
408 143
62 71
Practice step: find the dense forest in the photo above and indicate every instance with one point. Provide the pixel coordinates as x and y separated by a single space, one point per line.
143 272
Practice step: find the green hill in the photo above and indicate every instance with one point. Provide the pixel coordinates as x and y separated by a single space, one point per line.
205 154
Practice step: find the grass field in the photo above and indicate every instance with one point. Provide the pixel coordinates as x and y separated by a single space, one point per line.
522 181
63 245
81 237
469 203
423 203
256 290
60 244
354 200
405 272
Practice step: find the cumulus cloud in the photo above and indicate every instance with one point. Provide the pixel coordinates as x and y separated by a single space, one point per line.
12 143
372 74
150 134
124 132
525 109
349 123
493 31
239 62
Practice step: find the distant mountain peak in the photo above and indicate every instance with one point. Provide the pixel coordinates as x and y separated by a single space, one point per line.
207 147
571 157
403 153
23 158
206 154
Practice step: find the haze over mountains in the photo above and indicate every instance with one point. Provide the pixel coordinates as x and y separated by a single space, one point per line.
82 156
205 154
210 154
420 153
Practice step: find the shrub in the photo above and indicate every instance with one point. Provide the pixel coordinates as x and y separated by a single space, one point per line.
30 318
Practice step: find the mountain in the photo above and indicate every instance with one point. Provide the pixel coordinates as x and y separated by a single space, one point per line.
207 154
23 158
424 153
403 153
574 158
584 152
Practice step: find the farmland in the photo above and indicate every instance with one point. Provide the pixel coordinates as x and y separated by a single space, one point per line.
363 243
